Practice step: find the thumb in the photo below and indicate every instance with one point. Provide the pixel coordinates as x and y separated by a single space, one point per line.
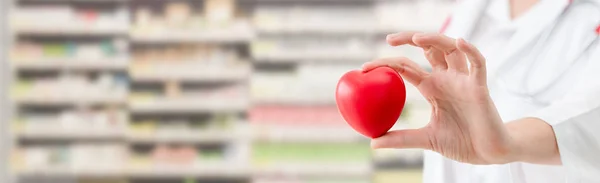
403 139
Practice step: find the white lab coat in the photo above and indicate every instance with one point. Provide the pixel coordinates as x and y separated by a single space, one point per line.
549 70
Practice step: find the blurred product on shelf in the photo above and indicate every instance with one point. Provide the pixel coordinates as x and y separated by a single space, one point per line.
291 179
424 16
58 52
309 84
220 11
72 89
72 157
192 96
392 176
298 116
320 48
184 125
109 120
178 156
61 19
177 53
314 18
180 22
265 153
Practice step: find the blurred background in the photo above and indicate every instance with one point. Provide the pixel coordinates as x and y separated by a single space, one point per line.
201 91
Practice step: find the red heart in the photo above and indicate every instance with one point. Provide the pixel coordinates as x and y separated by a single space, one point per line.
371 101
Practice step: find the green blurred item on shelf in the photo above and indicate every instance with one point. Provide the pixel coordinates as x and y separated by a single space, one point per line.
305 152
211 155
20 88
55 50
189 180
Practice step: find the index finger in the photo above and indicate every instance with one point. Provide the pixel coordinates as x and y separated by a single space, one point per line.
438 41
400 38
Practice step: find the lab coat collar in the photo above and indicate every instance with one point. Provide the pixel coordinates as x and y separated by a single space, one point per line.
465 17
540 18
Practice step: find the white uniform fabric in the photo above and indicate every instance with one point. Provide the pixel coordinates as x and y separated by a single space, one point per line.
545 64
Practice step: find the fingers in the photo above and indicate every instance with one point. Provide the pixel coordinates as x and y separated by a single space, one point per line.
412 138
408 69
444 54
478 68
400 38
438 41
436 58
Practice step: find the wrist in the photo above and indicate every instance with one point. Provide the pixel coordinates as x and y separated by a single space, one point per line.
515 150
531 140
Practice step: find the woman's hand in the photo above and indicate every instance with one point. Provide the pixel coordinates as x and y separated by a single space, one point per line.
465 125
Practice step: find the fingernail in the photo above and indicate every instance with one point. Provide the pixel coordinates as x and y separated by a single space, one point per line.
391 36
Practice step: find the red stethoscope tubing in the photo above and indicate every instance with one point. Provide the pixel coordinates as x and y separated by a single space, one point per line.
449 20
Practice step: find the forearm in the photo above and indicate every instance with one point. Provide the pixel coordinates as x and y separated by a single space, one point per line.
533 142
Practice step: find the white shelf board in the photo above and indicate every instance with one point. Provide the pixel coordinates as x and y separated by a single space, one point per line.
197 73
281 133
185 137
70 100
66 172
316 170
188 105
325 29
299 57
69 134
207 171
74 0
75 30
71 64
216 36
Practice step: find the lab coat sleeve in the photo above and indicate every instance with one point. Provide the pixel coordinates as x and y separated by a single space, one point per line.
576 123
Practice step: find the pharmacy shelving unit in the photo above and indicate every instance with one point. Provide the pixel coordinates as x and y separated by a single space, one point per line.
129 91
68 61
189 75
302 48
232 91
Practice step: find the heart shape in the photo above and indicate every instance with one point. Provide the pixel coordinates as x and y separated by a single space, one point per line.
371 102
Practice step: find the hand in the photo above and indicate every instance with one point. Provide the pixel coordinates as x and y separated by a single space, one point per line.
465 125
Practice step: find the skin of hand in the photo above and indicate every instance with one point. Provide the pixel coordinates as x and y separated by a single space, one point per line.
465 124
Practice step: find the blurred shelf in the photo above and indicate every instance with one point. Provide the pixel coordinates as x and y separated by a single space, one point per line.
326 29
188 137
282 133
73 30
217 171
308 1
71 64
293 101
191 105
71 100
392 176
70 134
316 171
199 36
193 73
212 171
336 56
78 1
68 172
